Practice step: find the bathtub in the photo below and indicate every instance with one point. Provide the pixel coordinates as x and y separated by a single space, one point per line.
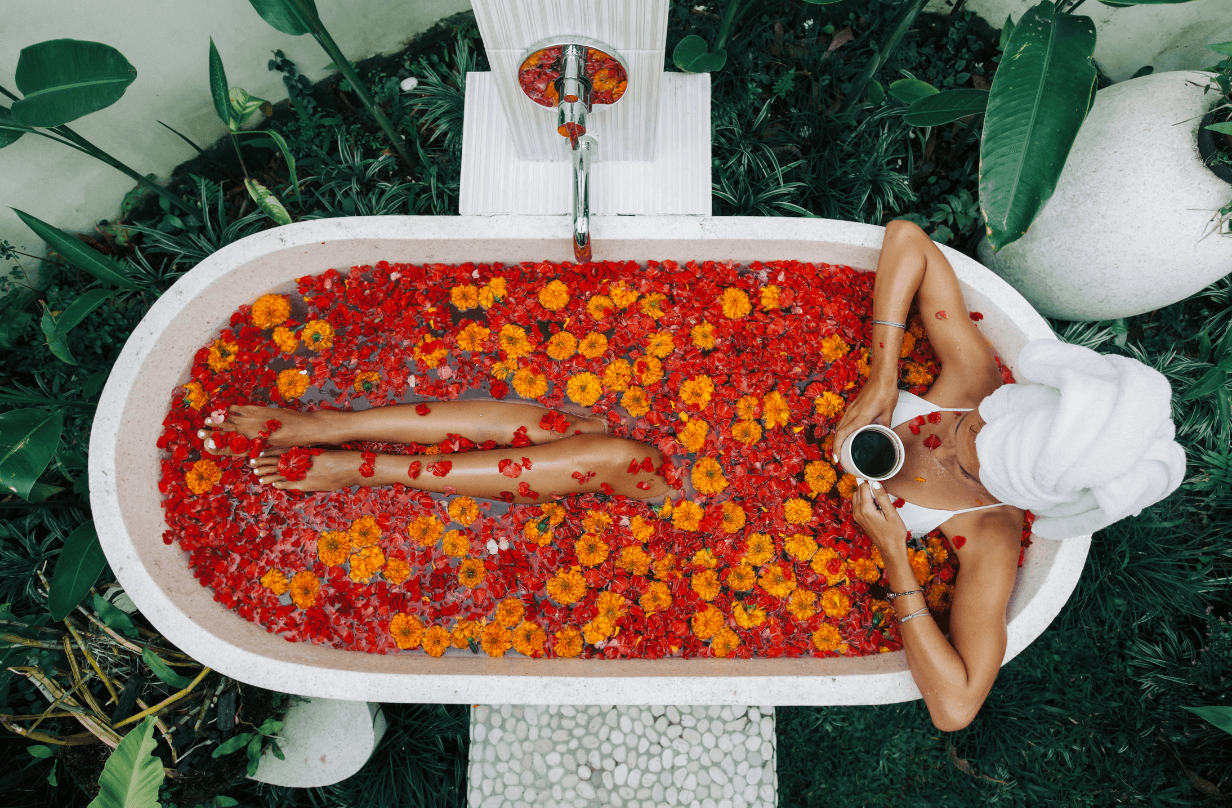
124 467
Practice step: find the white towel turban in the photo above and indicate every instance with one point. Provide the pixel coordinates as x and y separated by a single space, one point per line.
1086 441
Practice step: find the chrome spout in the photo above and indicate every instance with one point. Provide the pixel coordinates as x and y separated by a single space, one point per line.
582 154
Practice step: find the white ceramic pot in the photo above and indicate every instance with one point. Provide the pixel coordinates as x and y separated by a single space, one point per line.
323 741
1124 232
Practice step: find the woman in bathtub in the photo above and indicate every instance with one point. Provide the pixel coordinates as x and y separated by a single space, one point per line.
1087 442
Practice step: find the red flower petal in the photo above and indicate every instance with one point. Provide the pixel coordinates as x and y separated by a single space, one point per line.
422 409
237 443
520 438
647 465
415 468
441 467
643 485
959 541
941 315
525 490
932 442
934 417
975 315
634 467
899 502
509 468
526 462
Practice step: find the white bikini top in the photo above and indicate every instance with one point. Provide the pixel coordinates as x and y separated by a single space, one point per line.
920 520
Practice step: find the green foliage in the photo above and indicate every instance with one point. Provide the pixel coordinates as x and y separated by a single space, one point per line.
162 670
133 774
692 56
440 98
79 255
77 568
28 440
65 79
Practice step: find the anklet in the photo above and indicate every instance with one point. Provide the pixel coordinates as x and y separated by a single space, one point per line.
367 468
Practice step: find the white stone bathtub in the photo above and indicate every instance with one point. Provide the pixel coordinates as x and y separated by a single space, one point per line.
124 467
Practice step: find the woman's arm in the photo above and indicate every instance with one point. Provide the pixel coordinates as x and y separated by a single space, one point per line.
953 678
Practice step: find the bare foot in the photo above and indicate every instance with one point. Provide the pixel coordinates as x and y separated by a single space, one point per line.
298 428
330 471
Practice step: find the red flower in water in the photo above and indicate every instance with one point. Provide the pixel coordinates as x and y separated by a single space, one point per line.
932 442
295 462
554 422
237 443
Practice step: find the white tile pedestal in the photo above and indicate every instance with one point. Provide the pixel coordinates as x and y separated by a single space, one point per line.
627 757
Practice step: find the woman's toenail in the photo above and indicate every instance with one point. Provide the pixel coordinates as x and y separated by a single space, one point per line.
200 433
210 444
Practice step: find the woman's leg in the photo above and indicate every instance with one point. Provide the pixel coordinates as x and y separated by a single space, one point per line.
476 420
571 465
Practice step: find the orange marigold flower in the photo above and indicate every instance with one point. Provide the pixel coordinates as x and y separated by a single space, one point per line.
747 432
495 639
365 531
514 342
562 346
866 570
593 345
829 405
464 296
801 604
585 388
775 411
634 559
292 383
741 578
914 374
660 344
656 598
463 632
457 543
847 486
819 476
829 563
407 630
939 596
706 622
693 434
474 337
920 565
862 365
596 631
396 570
834 348
435 640
317 335
611 606
275 580
733 517
770 297
687 515
591 550
366 562
471 572
510 612
827 638
554 511
432 358
704 558
594 521
622 295
696 392
835 603
725 641
665 567
529 639
649 370
496 289
194 395
908 345
708 476
270 310
464 511
800 546
759 550
567 642
333 547
915 326
797 511
203 476
635 401
425 530
652 305
222 354
735 303
775 581
529 384
304 588
567 586
702 335
641 529
366 382
554 296
705 584
600 306
503 370
748 408
748 617
617 375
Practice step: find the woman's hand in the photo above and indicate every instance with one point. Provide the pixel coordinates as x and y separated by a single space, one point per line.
876 515
874 405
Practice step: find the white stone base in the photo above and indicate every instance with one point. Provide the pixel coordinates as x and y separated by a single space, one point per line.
323 741
630 757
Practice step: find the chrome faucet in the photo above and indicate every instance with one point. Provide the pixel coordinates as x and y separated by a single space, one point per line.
581 73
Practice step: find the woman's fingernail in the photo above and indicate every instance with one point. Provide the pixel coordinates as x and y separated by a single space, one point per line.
875 484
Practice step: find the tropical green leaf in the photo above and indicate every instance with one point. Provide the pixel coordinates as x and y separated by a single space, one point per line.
1007 31
64 79
103 267
269 726
10 129
1122 3
267 202
1213 380
1219 716
876 93
286 153
114 618
133 773
40 751
946 107
56 327
162 670
254 755
218 87
233 744
42 491
692 55
911 90
1037 103
1224 128
287 15
28 441
243 106
1222 47
77 568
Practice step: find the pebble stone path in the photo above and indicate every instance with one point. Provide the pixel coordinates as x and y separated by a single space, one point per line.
626 757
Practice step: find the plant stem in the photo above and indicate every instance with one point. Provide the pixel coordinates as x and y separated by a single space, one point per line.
901 24
236 143
725 27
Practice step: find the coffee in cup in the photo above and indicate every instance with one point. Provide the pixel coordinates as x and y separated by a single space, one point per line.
873 452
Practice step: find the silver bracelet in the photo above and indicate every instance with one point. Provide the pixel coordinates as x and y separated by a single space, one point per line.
893 595
917 613
887 322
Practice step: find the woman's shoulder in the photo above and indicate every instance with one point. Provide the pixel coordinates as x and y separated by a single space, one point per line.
990 533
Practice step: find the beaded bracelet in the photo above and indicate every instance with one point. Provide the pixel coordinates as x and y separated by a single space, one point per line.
893 595
887 322
916 613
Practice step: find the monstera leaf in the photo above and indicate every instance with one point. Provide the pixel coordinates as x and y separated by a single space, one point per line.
64 79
